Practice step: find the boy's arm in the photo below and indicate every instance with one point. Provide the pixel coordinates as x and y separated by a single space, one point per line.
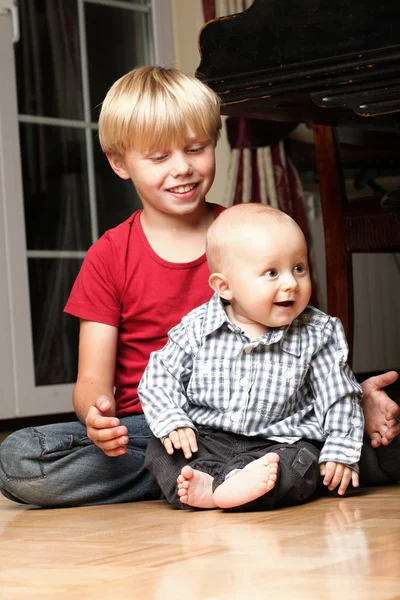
93 396
337 397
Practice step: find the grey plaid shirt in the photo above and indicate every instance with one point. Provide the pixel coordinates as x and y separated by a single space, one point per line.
290 383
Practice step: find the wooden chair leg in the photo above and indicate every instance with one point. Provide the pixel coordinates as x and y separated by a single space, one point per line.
339 273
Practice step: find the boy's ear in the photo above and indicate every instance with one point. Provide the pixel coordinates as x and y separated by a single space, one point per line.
117 165
220 284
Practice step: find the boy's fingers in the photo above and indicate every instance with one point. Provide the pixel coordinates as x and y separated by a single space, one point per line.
113 433
115 443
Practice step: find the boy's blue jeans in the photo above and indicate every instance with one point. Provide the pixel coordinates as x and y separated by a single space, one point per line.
57 465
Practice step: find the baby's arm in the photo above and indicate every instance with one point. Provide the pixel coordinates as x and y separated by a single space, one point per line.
335 474
162 389
337 397
93 396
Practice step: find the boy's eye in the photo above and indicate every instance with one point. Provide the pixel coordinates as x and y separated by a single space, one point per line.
271 273
299 269
196 150
158 157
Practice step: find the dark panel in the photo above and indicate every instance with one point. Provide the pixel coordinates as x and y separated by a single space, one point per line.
56 193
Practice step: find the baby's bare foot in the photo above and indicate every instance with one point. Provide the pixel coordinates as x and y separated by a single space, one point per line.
256 479
195 488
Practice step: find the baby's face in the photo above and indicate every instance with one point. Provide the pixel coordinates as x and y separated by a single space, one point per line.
269 279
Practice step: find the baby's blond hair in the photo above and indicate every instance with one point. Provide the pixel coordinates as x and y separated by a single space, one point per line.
151 108
234 226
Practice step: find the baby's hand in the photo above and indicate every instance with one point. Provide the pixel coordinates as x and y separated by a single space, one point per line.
105 430
338 473
183 439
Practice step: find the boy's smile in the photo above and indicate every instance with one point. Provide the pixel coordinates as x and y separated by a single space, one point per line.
173 181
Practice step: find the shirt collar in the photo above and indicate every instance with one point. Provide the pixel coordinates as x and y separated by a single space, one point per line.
215 315
289 337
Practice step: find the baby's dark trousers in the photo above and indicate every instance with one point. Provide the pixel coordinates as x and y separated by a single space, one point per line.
220 453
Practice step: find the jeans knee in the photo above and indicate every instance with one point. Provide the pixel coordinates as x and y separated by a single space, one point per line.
20 465
20 455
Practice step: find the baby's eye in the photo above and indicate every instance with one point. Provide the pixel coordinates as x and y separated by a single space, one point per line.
299 269
158 157
271 273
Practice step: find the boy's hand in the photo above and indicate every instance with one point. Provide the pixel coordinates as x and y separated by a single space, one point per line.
183 439
104 429
338 473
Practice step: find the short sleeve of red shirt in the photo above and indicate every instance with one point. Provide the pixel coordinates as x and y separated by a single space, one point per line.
96 293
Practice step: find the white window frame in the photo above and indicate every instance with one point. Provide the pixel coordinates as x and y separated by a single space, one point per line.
19 395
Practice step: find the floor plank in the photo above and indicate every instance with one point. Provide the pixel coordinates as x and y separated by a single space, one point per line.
346 548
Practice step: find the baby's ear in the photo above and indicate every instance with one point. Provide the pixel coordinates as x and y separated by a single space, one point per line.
220 284
117 165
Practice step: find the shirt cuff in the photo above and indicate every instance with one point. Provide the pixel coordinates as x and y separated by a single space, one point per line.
343 450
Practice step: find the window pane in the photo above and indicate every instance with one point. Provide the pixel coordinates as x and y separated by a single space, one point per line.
55 334
55 188
123 31
47 60
116 198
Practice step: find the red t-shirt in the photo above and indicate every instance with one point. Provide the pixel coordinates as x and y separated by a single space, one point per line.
124 283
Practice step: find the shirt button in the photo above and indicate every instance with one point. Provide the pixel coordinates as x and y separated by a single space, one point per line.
356 422
206 368
349 452
289 373
244 382
248 350
235 416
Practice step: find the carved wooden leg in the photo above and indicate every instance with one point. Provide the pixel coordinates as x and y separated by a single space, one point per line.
339 272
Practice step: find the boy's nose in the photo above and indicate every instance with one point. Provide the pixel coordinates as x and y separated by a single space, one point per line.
181 166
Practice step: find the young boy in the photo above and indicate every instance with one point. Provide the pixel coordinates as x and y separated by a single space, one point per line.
158 127
254 362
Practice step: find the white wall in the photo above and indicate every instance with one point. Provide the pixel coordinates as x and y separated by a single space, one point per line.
187 22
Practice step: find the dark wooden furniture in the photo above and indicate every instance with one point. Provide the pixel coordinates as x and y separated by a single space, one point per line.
327 64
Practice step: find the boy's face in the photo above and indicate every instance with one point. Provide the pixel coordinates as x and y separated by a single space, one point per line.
175 180
269 280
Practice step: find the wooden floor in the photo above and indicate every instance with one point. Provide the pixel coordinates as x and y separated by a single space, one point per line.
329 549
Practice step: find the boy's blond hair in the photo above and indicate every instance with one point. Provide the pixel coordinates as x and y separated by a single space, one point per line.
151 108
235 227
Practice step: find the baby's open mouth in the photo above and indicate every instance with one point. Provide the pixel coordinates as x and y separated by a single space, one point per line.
286 303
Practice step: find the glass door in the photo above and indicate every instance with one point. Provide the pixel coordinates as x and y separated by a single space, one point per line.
69 54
